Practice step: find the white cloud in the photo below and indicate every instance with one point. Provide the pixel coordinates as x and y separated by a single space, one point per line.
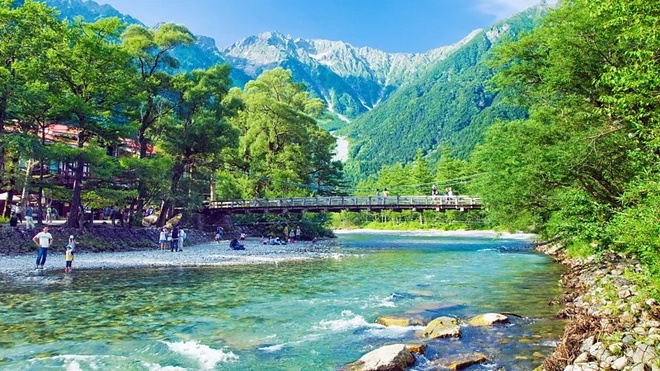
505 8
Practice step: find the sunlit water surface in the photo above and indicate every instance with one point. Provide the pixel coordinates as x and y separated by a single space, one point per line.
296 316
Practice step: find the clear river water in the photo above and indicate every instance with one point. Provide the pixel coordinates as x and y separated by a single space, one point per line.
315 315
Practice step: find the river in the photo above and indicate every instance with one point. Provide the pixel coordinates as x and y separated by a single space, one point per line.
295 316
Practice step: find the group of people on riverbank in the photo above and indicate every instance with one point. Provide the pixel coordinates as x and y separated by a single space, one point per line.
173 238
17 213
44 240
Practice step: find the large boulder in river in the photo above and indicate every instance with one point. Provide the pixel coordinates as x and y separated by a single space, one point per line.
395 357
400 321
488 319
442 327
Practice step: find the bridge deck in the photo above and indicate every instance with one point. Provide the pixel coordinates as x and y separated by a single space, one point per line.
348 203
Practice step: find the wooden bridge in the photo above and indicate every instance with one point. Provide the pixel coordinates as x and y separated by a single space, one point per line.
343 203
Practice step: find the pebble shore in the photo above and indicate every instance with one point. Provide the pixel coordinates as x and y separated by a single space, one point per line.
613 322
208 254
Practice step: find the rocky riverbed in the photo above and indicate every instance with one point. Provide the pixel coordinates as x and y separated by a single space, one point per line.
613 321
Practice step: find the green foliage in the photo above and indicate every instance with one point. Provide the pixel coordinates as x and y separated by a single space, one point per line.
583 166
580 249
107 83
409 220
636 230
449 105
416 178
282 150
420 174
311 224
195 132
97 199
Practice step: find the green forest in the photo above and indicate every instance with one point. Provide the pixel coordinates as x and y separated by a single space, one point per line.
583 166
567 147
133 131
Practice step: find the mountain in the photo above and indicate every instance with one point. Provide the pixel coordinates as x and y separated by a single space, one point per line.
449 105
350 80
88 10
397 102
202 54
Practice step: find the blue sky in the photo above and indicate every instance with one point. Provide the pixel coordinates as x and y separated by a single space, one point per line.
389 25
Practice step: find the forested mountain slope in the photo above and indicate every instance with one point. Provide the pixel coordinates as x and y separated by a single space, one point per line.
451 105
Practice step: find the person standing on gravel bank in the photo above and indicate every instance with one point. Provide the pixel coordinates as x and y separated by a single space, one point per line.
174 245
72 244
43 240
29 222
182 237
162 239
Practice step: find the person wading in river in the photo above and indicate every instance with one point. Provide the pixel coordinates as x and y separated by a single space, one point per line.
43 240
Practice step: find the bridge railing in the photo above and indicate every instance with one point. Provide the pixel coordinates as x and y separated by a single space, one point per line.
347 201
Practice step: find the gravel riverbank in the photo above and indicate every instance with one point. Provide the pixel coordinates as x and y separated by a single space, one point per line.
197 255
614 323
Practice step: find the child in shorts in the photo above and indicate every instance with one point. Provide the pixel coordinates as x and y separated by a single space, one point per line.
163 239
68 257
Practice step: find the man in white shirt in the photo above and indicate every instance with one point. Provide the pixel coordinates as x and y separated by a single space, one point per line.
182 236
43 240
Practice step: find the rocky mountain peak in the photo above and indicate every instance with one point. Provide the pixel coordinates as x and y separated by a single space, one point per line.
350 79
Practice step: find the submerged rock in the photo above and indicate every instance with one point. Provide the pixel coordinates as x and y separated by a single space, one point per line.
395 357
488 319
400 321
460 361
442 327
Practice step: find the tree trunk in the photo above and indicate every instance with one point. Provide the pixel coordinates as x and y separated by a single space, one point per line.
3 117
8 203
145 122
131 215
12 186
40 205
143 142
213 187
168 204
164 210
139 202
73 219
25 194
